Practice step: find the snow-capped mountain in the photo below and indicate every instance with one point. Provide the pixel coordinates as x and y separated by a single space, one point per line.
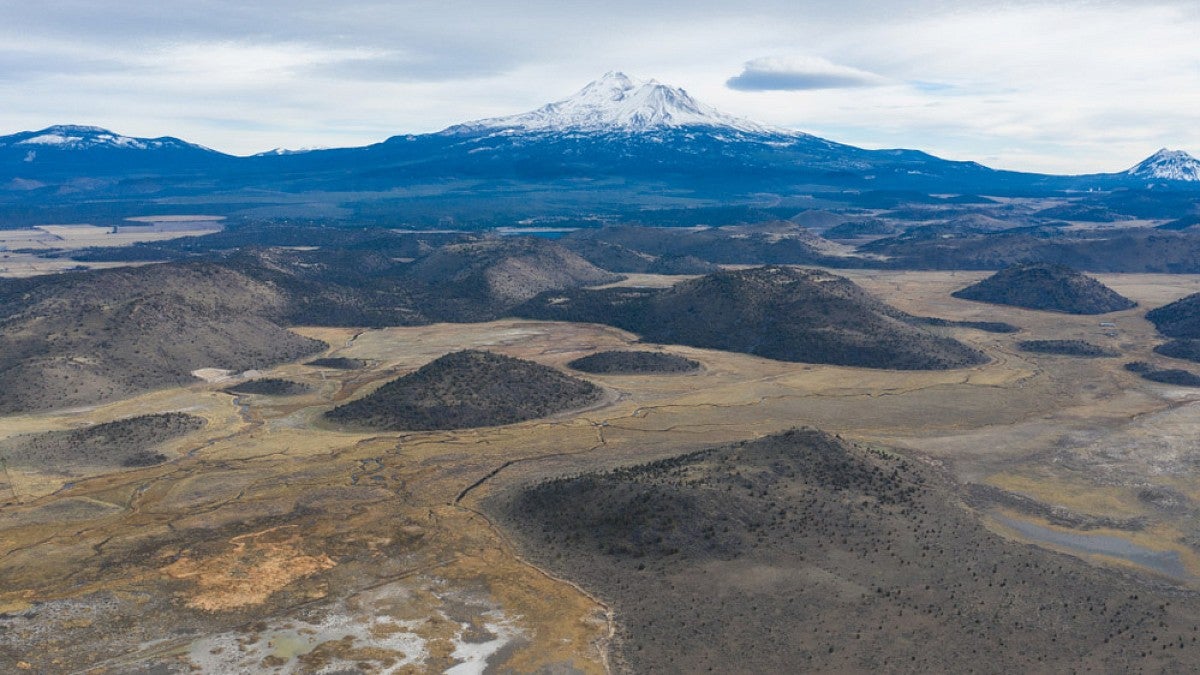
618 103
1173 165
77 137
644 131
70 152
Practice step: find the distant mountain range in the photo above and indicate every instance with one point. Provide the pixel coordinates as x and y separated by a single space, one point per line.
69 151
617 137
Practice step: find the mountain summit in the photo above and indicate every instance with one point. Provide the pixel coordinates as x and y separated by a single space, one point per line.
66 152
78 137
1168 165
617 102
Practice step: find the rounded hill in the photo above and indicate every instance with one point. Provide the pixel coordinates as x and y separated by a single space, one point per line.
740 558
634 363
782 313
467 389
1180 319
1079 348
1046 287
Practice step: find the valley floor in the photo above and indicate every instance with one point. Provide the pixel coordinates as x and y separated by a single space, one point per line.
271 541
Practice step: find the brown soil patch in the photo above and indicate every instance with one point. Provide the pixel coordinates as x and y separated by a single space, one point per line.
257 565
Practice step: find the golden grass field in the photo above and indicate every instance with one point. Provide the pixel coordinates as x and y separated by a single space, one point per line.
20 248
268 526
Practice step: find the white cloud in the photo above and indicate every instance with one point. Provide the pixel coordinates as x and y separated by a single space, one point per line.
800 73
1069 85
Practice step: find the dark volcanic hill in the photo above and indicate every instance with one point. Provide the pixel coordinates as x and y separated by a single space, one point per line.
370 284
1066 348
505 271
778 242
861 228
776 312
272 386
803 553
1046 287
1136 250
1175 376
467 389
618 258
337 363
634 363
84 338
1188 350
127 442
1180 319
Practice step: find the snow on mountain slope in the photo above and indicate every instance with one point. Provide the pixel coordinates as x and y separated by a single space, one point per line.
617 102
76 137
1168 165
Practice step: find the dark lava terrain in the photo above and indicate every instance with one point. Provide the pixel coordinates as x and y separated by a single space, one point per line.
471 388
1051 288
779 313
800 552
634 363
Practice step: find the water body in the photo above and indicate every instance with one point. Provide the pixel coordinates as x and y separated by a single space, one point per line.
1164 562
540 232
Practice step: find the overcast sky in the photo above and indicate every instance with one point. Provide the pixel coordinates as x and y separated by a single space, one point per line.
1066 86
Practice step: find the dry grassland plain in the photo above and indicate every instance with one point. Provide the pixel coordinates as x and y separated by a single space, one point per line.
273 541
20 249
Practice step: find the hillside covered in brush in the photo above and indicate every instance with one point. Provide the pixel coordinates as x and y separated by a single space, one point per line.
634 363
85 338
801 552
774 242
780 313
129 442
386 282
1045 287
504 271
471 388
1179 319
